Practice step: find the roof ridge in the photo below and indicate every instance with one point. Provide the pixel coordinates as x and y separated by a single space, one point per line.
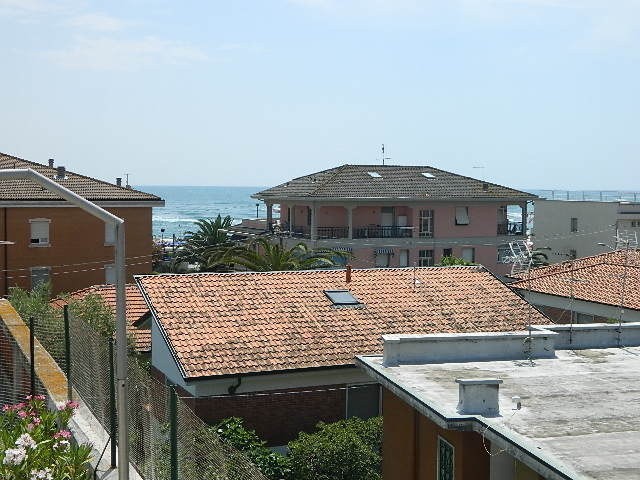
42 165
337 171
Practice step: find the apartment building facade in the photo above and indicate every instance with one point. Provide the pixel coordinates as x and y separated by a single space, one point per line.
574 229
399 216
50 240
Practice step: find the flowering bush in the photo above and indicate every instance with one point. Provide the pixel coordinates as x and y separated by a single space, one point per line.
35 443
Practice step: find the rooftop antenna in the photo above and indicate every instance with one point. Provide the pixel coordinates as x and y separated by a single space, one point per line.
521 257
383 157
128 186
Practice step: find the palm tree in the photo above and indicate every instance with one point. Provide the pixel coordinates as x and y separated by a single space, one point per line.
211 233
261 255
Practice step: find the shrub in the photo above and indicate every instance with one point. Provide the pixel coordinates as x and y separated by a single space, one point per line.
36 444
344 450
272 464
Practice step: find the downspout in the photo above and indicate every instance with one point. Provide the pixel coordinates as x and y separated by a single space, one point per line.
232 388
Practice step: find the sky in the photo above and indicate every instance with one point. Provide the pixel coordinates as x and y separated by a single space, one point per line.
527 93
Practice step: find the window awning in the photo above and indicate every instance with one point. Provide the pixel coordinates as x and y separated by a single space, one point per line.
384 251
344 249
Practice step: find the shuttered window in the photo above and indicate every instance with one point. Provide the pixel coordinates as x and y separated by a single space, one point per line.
40 231
462 215
469 254
426 223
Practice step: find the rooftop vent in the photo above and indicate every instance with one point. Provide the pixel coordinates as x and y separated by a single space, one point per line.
374 174
341 297
51 163
478 396
61 172
428 175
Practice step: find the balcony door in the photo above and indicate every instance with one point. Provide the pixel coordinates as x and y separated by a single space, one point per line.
386 219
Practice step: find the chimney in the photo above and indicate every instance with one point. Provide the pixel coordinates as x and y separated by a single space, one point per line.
61 172
51 163
479 396
119 181
485 186
348 273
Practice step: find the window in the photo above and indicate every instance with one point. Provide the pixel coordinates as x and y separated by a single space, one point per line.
635 223
504 253
428 175
341 297
469 254
447 252
425 258
574 224
404 258
383 259
363 401
445 460
110 274
426 223
109 234
39 275
462 215
40 232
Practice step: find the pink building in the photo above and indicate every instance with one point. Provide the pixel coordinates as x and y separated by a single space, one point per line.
398 216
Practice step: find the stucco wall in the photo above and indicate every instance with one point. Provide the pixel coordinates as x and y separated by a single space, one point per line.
75 237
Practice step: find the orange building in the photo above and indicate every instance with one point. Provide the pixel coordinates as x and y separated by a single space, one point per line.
553 402
52 240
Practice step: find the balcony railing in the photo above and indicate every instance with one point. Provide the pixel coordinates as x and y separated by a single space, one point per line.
382 232
333 232
510 228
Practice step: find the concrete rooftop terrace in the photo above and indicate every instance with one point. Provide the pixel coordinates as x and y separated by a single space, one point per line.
580 415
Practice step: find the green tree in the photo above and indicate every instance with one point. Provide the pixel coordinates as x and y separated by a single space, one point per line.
451 260
210 234
345 450
262 255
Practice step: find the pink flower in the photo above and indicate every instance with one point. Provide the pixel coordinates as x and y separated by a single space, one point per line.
22 414
8 408
62 434
72 404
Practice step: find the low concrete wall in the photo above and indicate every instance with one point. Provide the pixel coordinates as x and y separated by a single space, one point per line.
467 347
85 427
593 335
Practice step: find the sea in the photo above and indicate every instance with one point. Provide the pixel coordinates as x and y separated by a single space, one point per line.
184 205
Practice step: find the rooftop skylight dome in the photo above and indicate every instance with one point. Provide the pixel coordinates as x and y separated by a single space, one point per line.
374 174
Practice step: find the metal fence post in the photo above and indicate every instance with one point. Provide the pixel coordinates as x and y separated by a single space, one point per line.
67 352
112 404
32 354
173 431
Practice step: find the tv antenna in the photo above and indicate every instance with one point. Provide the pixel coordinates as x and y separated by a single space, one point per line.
383 157
521 257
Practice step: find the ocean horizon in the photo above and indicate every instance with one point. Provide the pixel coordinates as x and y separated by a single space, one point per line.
184 205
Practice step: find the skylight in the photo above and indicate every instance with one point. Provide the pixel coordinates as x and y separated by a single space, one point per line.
341 297
375 174
428 175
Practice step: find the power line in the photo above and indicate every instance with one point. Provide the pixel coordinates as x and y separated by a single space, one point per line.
73 264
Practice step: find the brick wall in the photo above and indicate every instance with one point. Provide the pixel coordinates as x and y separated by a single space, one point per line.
75 237
279 415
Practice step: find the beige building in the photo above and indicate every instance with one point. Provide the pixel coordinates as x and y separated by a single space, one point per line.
573 229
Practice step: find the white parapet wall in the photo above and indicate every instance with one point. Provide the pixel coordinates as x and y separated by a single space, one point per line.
467 347
593 335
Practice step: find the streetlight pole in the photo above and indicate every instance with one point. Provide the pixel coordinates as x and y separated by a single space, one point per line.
121 321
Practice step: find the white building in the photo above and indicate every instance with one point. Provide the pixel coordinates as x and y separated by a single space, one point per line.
573 229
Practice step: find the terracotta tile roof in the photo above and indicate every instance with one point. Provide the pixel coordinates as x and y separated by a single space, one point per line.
89 188
136 308
595 279
354 181
232 323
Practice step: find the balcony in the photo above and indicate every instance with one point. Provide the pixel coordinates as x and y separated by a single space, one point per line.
382 232
333 232
510 228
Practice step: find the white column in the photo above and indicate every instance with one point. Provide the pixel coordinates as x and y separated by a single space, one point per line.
314 222
269 216
350 220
